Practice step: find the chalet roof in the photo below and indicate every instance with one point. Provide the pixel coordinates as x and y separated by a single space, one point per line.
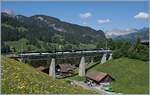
65 67
96 76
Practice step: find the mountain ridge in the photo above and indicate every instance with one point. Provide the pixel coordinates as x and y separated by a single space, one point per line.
141 33
52 32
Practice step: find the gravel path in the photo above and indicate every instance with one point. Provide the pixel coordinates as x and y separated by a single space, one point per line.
100 91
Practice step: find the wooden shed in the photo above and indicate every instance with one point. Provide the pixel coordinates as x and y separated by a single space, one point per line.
65 68
43 69
99 77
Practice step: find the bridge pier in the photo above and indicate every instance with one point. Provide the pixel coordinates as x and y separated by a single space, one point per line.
110 56
103 60
52 68
92 60
82 66
21 60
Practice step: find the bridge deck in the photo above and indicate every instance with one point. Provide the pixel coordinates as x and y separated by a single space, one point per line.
59 54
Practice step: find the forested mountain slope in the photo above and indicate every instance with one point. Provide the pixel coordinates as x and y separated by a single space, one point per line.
41 32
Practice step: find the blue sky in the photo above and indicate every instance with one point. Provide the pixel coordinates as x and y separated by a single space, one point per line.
98 15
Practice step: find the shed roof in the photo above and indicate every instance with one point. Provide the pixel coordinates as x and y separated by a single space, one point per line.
65 67
97 76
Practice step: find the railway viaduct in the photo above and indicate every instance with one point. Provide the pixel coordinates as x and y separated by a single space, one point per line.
52 57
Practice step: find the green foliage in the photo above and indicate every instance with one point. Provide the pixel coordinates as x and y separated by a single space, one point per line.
20 78
131 75
22 29
21 45
101 44
86 46
78 78
5 49
58 39
117 53
139 51
127 49
9 33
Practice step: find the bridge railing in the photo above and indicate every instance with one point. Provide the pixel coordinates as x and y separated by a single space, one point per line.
59 53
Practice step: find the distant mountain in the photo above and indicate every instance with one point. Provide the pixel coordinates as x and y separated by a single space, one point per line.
120 32
142 34
41 32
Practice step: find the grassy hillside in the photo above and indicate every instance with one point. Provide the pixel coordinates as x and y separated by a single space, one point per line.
21 78
131 76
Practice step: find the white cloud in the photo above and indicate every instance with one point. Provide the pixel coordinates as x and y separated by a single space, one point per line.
84 23
101 21
85 15
141 15
9 11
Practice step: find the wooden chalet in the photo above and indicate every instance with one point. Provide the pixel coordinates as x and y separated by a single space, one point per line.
99 77
65 68
43 69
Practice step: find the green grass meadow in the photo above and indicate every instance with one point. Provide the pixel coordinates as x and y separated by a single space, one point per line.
21 78
131 75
